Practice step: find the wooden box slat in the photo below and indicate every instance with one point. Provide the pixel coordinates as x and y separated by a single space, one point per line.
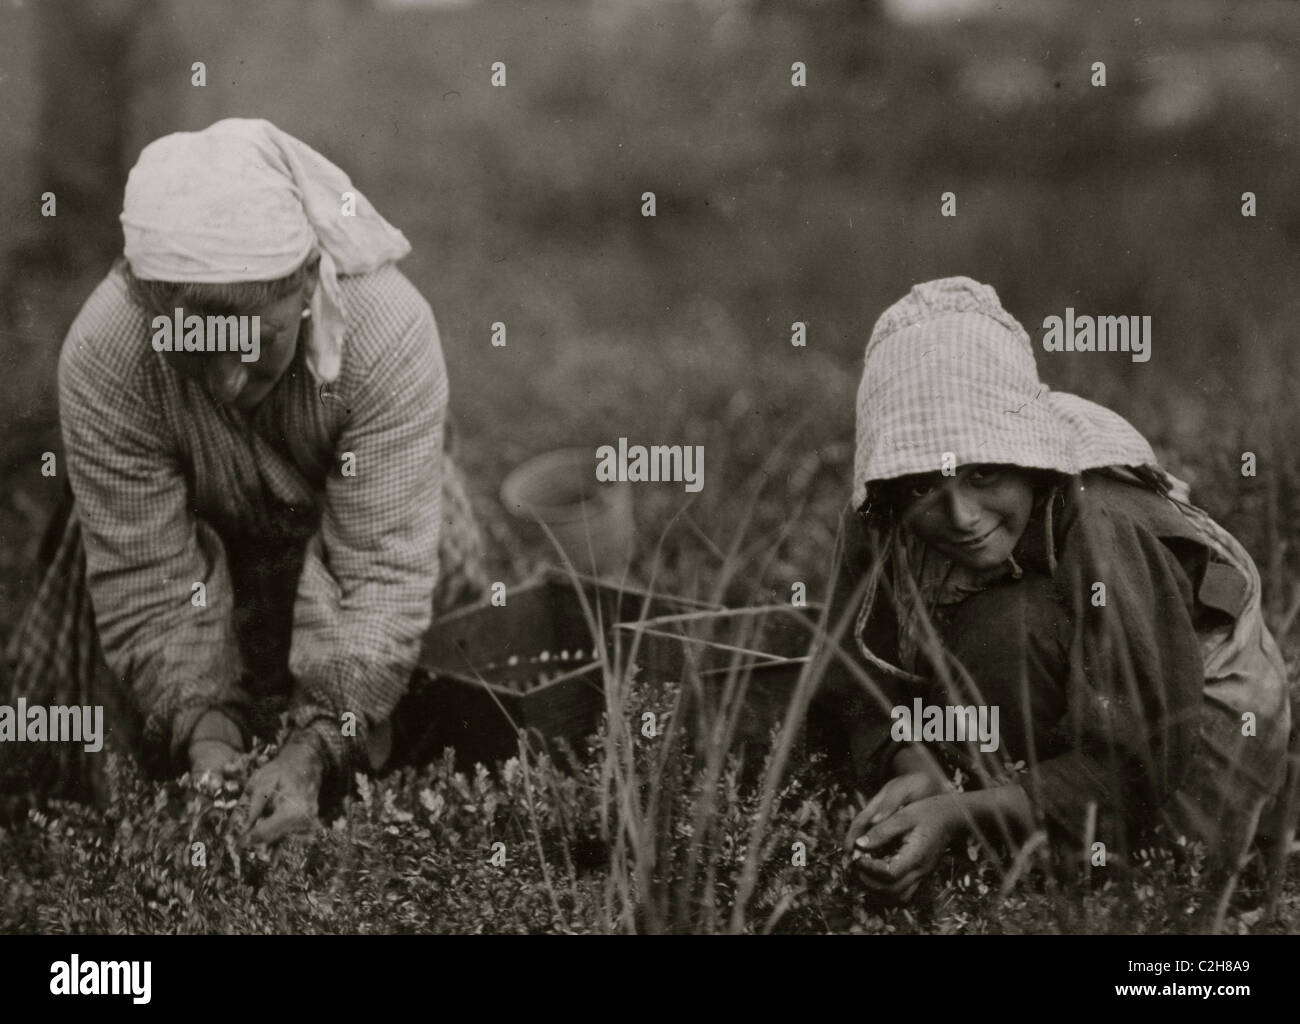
468 691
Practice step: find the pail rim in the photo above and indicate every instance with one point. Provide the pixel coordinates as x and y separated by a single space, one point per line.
515 486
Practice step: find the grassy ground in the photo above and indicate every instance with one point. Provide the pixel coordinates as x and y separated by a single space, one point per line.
775 204
531 849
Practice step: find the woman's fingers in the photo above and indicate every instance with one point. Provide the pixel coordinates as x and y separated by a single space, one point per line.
210 757
259 795
277 807
270 828
282 797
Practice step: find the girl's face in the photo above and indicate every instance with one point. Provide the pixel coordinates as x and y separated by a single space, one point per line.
975 517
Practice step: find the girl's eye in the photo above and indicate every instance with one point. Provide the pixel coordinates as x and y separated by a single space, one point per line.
983 474
920 490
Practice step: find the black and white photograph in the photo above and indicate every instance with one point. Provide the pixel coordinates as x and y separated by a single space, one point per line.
651 467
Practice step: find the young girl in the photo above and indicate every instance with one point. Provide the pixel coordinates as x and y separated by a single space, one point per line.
1016 550
250 537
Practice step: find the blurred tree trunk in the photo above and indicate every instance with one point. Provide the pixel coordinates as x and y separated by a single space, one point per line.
86 85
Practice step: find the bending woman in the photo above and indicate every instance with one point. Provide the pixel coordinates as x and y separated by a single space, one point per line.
255 533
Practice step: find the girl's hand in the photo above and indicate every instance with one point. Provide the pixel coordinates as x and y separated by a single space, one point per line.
897 792
923 830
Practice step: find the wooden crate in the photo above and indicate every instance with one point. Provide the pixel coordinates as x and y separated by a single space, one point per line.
479 683
768 648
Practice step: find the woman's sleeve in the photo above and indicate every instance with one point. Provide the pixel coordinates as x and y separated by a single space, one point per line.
1136 678
146 554
365 597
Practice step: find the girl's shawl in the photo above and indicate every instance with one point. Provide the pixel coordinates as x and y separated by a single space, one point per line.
244 201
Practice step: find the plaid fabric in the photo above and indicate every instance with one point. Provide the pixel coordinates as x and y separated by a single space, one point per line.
173 490
55 658
949 370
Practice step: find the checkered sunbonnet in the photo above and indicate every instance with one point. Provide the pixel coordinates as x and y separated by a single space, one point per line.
949 370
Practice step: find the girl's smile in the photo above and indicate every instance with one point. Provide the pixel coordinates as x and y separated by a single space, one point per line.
975 517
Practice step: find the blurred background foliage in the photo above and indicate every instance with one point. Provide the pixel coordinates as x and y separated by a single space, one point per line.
775 204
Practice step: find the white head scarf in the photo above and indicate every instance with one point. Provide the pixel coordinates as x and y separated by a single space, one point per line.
244 201
948 370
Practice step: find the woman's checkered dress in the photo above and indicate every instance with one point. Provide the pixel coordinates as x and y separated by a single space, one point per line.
287 561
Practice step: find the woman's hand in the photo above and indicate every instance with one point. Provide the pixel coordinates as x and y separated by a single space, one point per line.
283 795
211 757
923 829
215 743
